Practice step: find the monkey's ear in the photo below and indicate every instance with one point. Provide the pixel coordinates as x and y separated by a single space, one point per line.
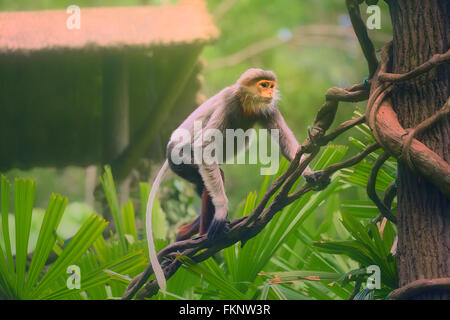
245 83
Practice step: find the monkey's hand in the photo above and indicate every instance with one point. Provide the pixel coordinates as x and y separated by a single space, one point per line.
217 227
316 177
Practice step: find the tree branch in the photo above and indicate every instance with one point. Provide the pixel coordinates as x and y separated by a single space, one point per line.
420 128
433 62
372 193
388 132
419 287
361 33
333 35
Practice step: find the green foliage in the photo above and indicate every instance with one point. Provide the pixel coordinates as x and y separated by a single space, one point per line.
111 195
19 281
259 250
103 264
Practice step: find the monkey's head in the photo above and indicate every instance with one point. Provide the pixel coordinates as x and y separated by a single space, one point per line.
257 89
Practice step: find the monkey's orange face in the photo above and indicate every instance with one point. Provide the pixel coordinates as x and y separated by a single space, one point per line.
266 89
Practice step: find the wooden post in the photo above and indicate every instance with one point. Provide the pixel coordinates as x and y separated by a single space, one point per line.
115 122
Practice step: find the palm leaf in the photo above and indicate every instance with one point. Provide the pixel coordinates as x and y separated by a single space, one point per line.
24 199
76 247
47 237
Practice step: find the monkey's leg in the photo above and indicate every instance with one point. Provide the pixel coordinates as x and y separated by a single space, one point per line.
190 173
202 223
208 210
207 214
212 177
187 171
188 230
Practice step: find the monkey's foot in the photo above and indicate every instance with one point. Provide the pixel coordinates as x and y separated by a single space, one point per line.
217 228
316 177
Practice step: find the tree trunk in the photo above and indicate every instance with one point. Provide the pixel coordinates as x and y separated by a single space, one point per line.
421 29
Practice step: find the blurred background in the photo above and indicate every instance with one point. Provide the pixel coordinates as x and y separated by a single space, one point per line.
309 44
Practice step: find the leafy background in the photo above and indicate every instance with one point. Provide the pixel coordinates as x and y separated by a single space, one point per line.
317 248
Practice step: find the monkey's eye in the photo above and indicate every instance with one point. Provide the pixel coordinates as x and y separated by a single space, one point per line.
271 86
264 84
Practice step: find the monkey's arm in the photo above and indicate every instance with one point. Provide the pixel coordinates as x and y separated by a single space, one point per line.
213 182
289 147
288 143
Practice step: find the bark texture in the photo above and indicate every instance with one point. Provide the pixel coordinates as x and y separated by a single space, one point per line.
421 29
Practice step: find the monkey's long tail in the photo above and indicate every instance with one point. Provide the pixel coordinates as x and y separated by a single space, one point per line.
160 278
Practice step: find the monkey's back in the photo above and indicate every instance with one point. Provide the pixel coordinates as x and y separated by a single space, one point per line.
204 112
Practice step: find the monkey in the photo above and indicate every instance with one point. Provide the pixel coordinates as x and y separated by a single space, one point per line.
251 100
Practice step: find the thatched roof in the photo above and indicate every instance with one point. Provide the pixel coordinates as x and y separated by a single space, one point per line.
107 28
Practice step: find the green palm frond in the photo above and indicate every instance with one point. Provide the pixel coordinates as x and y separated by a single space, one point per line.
17 279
